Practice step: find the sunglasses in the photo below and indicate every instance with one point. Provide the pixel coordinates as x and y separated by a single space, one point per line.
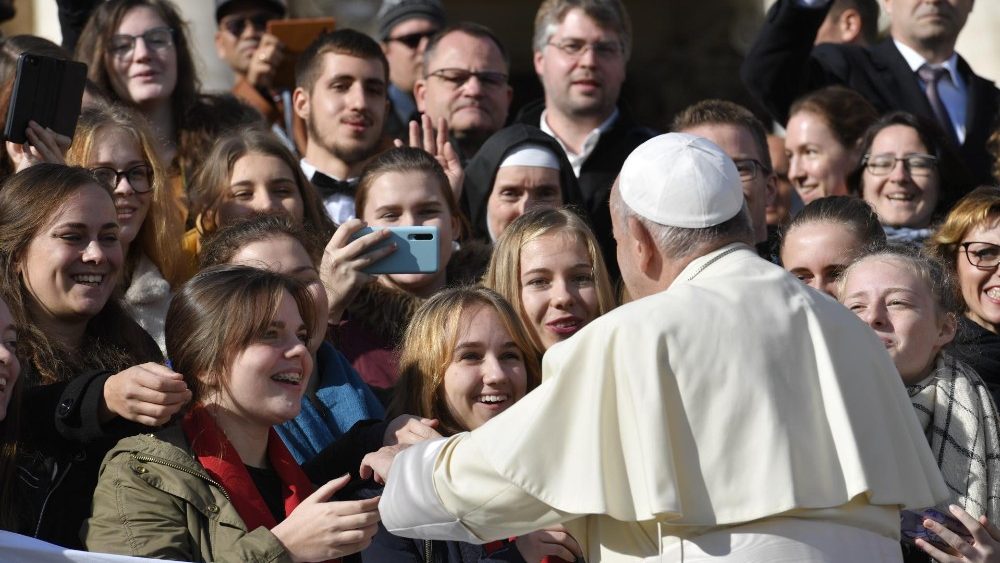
412 40
236 24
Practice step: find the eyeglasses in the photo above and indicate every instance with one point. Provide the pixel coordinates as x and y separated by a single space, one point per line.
156 39
982 255
138 177
258 20
575 48
748 167
412 40
915 164
457 77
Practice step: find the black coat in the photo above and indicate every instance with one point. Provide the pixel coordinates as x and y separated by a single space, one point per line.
481 172
980 349
62 444
783 65
599 172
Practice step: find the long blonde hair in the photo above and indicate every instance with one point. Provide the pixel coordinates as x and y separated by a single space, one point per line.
163 226
503 275
428 346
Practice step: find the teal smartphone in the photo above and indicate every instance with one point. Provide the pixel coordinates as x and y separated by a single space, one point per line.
416 251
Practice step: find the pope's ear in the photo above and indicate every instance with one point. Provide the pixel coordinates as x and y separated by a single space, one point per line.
642 242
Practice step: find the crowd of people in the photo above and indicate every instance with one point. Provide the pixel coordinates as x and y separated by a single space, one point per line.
715 343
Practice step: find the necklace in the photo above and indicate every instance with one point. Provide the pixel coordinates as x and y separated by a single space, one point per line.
712 261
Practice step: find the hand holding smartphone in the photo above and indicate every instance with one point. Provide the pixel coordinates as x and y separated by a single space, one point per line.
912 527
417 251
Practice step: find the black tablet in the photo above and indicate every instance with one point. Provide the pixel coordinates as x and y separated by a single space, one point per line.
48 91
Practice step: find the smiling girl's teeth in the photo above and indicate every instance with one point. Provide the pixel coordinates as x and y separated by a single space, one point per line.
492 399
89 278
993 293
3 384
287 377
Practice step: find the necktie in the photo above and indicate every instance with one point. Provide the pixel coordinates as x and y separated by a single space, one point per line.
328 186
931 76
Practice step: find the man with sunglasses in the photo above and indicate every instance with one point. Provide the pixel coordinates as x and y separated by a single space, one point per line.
404 28
253 54
581 48
465 83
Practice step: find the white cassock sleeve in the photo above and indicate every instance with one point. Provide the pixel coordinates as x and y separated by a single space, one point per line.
422 500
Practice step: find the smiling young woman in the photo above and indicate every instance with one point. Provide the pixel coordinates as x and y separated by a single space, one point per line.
84 371
549 266
239 335
138 52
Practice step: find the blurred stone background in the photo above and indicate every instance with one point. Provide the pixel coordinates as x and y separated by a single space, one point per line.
684 50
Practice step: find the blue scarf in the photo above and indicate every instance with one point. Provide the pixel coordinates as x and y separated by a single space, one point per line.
341 399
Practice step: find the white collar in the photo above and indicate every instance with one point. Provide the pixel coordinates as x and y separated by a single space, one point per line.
598 131
309 170
915 60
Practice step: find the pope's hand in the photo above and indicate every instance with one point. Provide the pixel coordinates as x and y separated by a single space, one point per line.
377 464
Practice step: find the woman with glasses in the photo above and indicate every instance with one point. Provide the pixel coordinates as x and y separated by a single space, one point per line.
907 175
137 51
115 143
968 241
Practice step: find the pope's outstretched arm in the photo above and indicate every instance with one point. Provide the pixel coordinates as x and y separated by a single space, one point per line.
446 490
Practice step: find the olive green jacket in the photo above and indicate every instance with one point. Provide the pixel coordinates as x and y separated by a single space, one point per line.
153 499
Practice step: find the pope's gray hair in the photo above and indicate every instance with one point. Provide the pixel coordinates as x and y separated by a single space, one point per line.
681 242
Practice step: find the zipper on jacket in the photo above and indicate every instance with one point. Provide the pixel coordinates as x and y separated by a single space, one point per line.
428 545
161 461
48 496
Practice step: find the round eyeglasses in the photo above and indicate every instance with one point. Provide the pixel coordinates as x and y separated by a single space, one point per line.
139 177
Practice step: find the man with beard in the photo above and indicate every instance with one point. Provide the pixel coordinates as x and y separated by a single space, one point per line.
340 91
581 48
915 70
465 84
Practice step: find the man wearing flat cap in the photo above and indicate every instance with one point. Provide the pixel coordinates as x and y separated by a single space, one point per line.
404 27
727 413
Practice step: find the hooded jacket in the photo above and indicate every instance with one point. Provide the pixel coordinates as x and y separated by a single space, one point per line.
481 172
153 499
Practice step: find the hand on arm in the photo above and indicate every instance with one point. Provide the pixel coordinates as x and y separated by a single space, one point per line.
985 546
149 394
318 530
376 465
409 429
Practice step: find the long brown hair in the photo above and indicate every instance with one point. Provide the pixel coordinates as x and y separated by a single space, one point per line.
93 48
164 224
218 313
429 344
211 184
113 341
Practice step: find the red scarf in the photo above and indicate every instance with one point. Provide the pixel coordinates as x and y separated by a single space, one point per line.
220 459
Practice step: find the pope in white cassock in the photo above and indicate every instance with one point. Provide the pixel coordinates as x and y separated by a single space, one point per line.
727 413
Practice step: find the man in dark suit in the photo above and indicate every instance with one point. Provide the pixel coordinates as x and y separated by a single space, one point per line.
581 48
916 69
